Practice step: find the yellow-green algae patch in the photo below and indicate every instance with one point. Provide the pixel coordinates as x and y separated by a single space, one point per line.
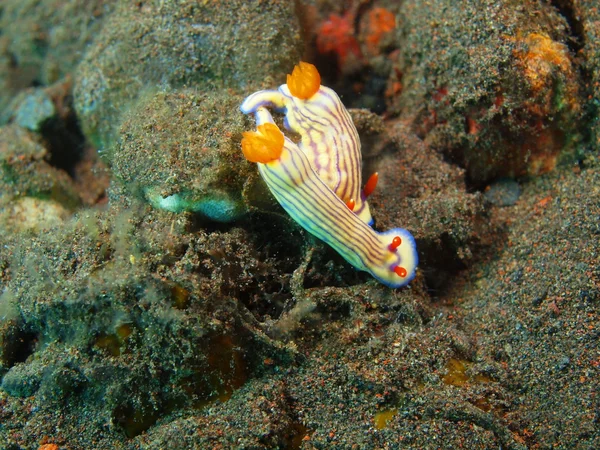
383 418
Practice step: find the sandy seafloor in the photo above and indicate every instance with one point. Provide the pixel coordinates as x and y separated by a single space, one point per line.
154 295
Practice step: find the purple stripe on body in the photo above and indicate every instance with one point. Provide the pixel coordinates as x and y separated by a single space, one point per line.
327 210
348 157
350 131
344 151
326 225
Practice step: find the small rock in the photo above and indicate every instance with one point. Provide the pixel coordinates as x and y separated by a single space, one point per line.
503 192
564 363
33 214
35 109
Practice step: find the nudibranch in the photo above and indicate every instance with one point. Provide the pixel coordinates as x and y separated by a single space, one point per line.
390 256
328 136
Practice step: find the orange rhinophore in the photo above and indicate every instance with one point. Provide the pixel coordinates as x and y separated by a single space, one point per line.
371 184
400 271
264 145
351 204
395 244
304 81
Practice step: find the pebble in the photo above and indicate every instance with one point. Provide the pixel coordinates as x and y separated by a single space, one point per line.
35 109
503 192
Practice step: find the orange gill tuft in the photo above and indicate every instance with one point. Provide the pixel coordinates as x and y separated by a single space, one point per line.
264 145
304 81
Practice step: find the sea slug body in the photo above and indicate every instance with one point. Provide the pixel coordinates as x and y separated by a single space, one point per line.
389 256
329 137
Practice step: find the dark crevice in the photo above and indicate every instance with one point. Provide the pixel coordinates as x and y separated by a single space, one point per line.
565 8
297 431
13 61
132 420
19 344
198 222
65 142
439 263
576 44
328 268
270 290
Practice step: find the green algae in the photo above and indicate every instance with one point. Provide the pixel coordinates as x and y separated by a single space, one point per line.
214 206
